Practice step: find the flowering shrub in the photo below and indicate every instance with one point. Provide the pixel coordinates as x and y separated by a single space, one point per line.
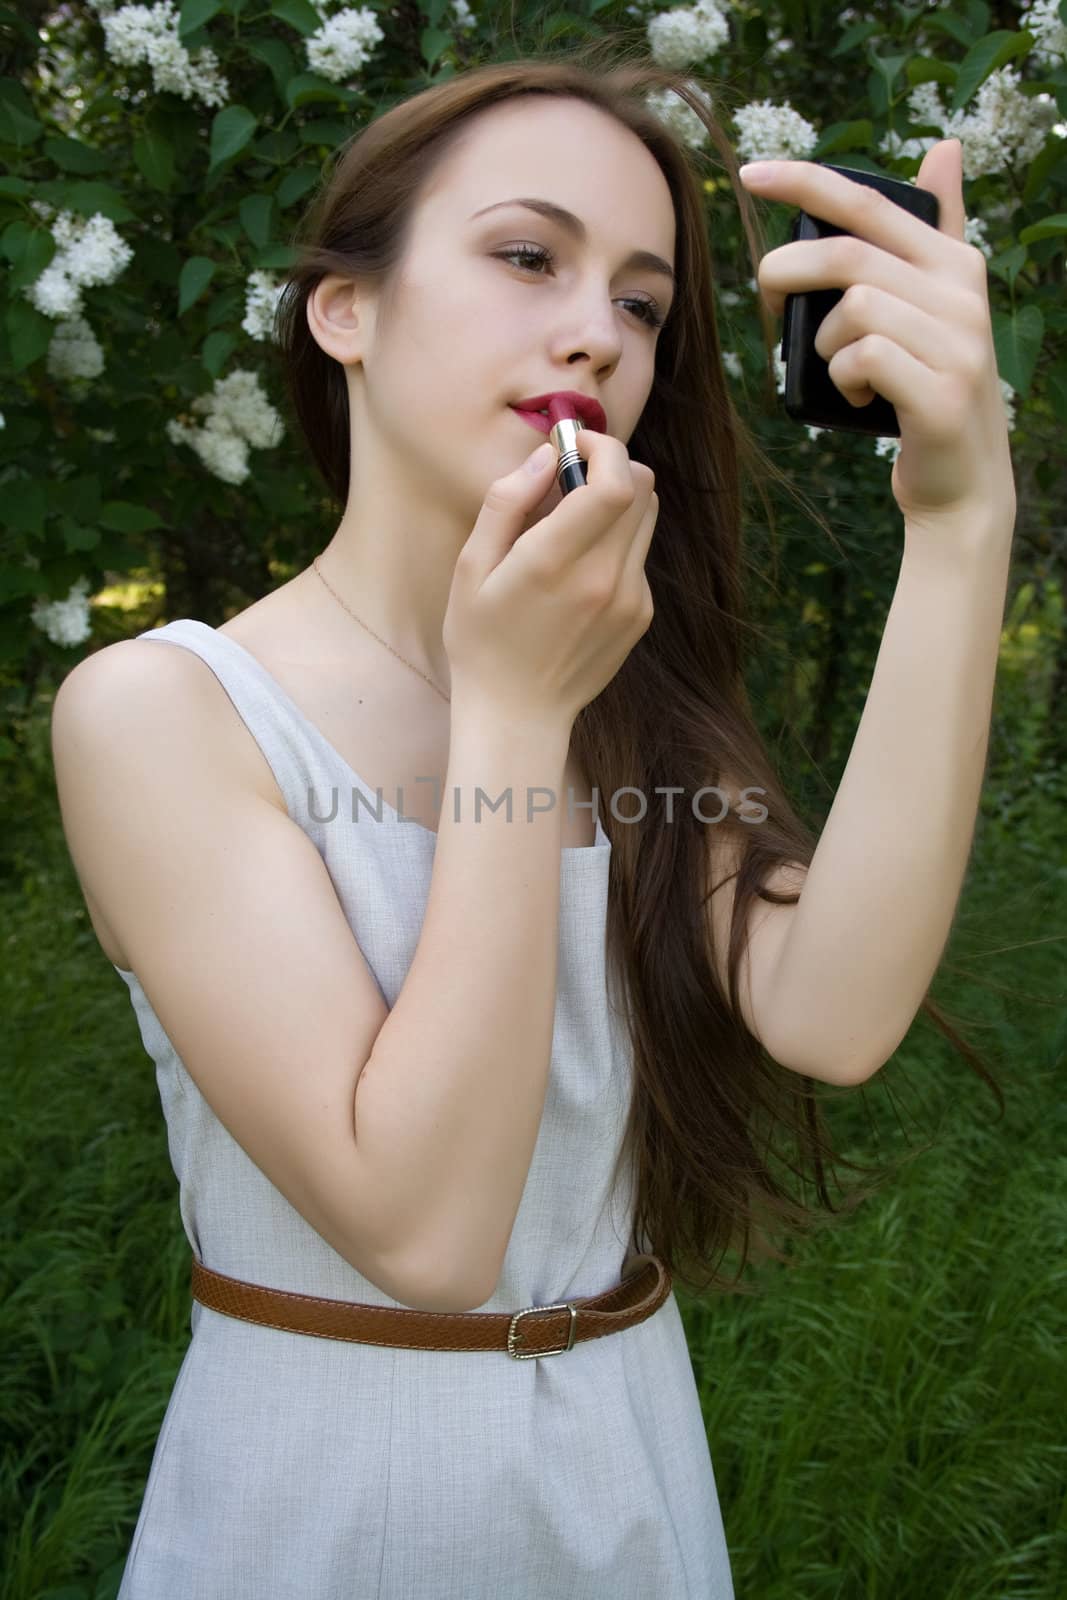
158 158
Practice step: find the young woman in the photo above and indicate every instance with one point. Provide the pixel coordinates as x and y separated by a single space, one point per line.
427 1064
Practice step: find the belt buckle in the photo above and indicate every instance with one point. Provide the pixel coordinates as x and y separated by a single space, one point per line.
533 1355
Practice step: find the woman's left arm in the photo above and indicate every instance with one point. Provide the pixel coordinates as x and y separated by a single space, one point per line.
882 888
880 894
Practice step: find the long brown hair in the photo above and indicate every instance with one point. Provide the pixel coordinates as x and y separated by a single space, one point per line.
707 1098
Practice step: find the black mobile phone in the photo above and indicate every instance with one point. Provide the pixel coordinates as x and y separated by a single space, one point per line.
810 393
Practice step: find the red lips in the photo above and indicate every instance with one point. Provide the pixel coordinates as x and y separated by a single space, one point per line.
590 410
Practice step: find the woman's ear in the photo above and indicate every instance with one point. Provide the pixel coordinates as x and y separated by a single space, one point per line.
337 318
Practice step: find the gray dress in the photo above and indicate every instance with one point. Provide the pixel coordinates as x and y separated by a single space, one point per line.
297 1468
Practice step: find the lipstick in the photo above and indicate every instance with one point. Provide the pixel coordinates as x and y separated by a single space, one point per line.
563 425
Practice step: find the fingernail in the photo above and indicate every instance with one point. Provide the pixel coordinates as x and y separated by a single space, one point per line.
758 171
539 457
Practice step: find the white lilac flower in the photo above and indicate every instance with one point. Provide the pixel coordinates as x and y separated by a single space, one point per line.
687 34
1002 128
344 43
135 34
53 293
74 351
767 131
241 400
924 105
1006 127
238 415
679 117
65 621
222 451
87 252
1043 20
897 148
462 16
95 251
732 362
974 232
262 293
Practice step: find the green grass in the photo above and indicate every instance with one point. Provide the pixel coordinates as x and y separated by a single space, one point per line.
885 1420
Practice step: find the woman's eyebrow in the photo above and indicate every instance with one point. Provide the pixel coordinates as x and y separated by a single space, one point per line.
576 227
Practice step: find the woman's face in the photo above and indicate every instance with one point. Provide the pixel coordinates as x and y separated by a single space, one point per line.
470 329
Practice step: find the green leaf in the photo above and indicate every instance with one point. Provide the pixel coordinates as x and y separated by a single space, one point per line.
1042 168
984 58
922 69
277 57
844 136
194 278
14 186
307 87
1017 338
280 146
216 350
296 184
888 67
853 36
1057 391
276 255
432 41
123 516
85 199
24 506
195 14
154 158
298 14
1046 228
231 131
17 128
29 333
29 249
324 131
256 212
1009 263
77 498
955 27
78 537
74 156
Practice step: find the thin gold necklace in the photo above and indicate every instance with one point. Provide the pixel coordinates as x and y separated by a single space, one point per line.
388 646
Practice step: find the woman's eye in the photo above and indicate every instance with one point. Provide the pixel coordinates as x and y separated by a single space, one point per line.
533 256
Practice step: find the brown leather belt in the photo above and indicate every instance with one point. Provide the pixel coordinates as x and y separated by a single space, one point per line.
536 1331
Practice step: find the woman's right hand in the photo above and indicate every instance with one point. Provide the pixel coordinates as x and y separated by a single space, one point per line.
539 621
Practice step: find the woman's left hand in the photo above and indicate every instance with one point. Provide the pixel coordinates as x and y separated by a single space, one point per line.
913 324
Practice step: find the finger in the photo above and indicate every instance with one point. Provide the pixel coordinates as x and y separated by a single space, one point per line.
856 207
935 403
865 309
594 513
840 262
633 570
507 502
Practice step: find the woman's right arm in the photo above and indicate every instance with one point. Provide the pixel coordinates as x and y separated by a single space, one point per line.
232 924
450 1102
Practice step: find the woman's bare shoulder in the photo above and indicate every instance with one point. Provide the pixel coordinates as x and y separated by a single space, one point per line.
139 678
